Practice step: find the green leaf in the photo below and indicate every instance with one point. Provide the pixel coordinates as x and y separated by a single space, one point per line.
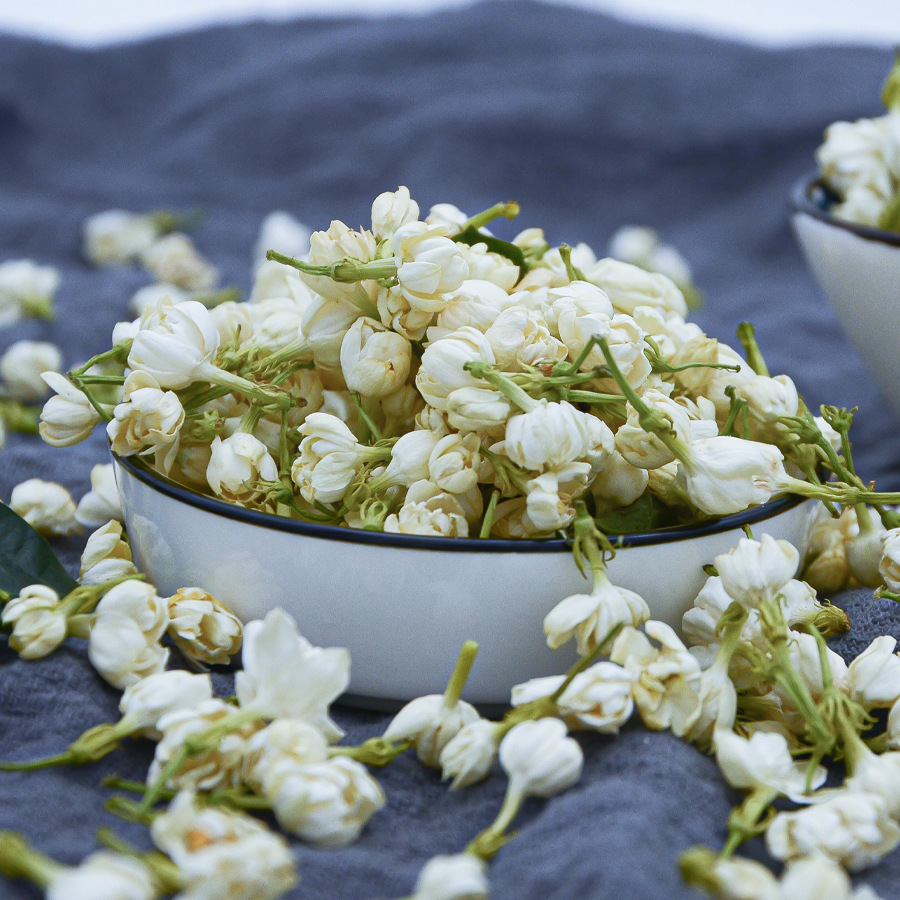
26 558
473 236
645 514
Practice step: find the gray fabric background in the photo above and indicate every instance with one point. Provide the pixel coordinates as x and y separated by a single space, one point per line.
589 124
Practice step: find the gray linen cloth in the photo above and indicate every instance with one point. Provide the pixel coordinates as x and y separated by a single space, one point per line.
587 122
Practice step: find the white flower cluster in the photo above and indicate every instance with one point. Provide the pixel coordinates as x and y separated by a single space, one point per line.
26 289
400 377
851 550
860 163
123 619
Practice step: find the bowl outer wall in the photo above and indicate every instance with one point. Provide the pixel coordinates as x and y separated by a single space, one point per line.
404 613
860 275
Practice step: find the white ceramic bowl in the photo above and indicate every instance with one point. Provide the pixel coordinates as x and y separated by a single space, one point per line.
858 268
405 604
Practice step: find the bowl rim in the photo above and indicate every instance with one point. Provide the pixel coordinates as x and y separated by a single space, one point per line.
137 468
803 202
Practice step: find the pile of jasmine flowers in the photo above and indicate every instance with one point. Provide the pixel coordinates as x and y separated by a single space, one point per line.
860 164
426 377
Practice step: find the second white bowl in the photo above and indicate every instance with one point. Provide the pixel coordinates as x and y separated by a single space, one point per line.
858 268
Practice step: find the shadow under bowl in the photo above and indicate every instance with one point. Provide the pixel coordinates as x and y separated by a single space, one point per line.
405 604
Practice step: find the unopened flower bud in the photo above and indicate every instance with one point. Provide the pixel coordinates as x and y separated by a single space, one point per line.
539 759
67 417
174 259
391 210
468 757
21 367
46 506
38 627
375 362
460 877
115 236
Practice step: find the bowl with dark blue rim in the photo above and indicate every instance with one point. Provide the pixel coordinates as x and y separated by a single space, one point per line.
404 604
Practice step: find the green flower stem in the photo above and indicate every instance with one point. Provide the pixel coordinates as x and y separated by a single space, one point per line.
18 859
572 271
738 409
512 480
196 396
250 419
102 409
373 752
590 544
285 457
884 593
782 669
460 675
730 625
662 365
167 875
652 421
864 520
84 598
594 398
118 353
565 368
20 418
503 383
747 336
222 378
542 707
92 745
292 369
806 428
587 661
744 821
378 485
488 520
233 797
508 210
79 626
489 841
845 717
374 430
836 492
102 379
344 271
296 353
194 744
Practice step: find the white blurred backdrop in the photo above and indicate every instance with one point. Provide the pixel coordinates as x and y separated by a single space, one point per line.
767 22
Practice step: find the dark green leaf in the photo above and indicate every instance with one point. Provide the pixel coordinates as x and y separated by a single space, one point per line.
645 514
473 236
26 558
